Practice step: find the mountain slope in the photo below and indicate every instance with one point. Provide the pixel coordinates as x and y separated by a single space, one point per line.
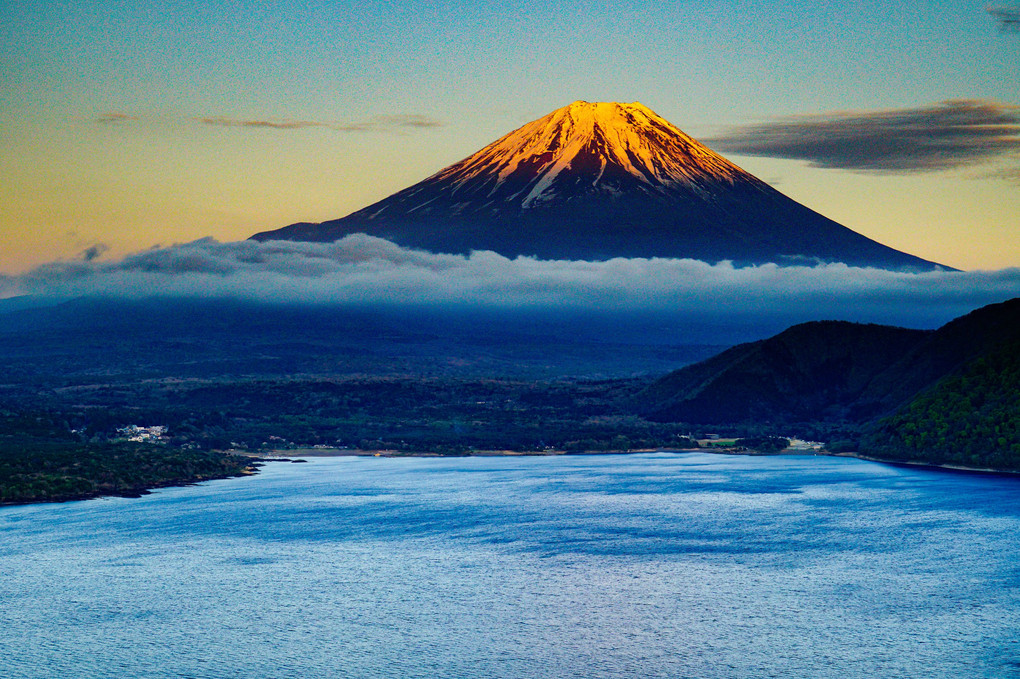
811 372
838 372
595 181
948 349
971 418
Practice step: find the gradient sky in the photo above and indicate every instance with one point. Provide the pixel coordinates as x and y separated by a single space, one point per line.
131 124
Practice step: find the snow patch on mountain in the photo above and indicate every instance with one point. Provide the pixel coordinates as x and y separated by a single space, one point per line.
592 137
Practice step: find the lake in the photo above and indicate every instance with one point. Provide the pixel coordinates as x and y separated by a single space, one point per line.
649 565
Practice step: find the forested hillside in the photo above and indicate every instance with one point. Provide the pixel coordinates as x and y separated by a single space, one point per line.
971 418
809 373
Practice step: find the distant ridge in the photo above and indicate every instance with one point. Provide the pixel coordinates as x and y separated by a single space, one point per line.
594 181
814 371
833 371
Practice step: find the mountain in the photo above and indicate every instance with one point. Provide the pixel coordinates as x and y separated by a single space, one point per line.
946 351
593 181
955 398
896 383
810 372
971 418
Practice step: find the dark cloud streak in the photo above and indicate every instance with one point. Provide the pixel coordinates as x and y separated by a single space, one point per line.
257 124
408 120
1007 17
382 123
115 119
947 135
94 252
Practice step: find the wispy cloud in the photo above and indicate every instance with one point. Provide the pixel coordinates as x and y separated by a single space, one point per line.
382 123
408 120
363 270
94 252
1008 18
115 118
947 135
1008 173
261 124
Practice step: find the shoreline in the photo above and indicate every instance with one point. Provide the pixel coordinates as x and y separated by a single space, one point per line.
288 455
294 455
136 491
915 464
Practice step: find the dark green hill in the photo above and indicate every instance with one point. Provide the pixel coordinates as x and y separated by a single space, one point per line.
971 418
956 396
944 351
951 396
811 372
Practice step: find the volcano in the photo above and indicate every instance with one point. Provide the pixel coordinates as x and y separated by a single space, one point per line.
594 181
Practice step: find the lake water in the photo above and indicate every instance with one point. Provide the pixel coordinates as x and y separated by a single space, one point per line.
657 565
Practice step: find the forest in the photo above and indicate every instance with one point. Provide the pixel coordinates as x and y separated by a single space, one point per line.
970 419
41 460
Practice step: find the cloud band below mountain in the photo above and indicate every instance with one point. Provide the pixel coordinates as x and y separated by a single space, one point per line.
685 294
947 135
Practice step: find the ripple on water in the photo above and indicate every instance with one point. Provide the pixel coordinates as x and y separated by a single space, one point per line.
659 565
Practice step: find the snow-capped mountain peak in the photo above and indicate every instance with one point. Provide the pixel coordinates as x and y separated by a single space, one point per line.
602 147
597 181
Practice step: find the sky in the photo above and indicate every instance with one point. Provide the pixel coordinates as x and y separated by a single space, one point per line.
130 125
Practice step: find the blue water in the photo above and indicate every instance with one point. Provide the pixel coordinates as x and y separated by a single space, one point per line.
658 565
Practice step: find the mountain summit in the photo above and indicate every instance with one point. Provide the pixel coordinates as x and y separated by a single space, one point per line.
595 181
603 150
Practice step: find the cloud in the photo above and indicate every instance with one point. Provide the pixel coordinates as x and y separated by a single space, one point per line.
382 123
115 118
943 136
686 294
267 124
93 252
409 120
1008 173
1008 18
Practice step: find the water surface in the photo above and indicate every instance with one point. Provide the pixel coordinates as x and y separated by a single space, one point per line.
658 565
